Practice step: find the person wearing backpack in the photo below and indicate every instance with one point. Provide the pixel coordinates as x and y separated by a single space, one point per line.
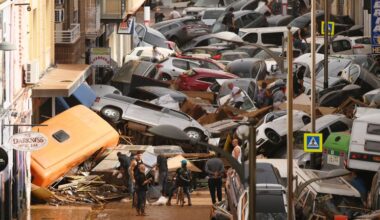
228 20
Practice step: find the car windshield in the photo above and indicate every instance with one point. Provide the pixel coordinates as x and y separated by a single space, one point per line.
155 40
212 14
263 55
274 115
271 202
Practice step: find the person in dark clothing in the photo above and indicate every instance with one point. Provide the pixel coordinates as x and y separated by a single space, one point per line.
215 170
141 187
183 178
229 20
298 87
125 162
162 165
133 169
158 15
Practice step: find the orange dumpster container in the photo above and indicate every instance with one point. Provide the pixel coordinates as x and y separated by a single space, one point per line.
73 136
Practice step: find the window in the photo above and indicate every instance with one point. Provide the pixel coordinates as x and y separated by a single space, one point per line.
208 79
338 126
61 136
373 129
365 40
325 133
181 64
208 65
341 45
372 146
252 38
139 53
272 38
193 65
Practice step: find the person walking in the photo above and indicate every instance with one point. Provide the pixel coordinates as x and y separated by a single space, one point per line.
125 162
162 165
141 187
158 15
229 21
264 8
236 152
133 169
236 95
215 170
174 14
183 178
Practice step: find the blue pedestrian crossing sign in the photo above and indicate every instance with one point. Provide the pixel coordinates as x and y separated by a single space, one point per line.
312 142
330 28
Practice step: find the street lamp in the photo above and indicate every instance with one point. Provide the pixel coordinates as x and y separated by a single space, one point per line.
171 132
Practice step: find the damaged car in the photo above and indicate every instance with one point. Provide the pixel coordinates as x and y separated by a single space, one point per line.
116 108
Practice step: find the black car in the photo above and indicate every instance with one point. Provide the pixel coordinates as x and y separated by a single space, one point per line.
243 19
342 23
182 30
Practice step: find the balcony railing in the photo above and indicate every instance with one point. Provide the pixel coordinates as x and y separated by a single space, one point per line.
68 36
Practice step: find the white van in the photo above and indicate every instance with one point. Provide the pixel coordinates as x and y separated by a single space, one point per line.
364 151
266 35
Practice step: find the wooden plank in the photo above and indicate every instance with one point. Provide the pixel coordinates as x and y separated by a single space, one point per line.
209 96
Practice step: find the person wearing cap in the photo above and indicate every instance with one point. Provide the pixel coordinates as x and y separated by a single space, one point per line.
183 178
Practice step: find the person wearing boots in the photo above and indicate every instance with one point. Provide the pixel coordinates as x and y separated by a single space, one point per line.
183 178
141 187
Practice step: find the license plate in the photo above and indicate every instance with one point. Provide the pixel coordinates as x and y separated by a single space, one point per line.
333 160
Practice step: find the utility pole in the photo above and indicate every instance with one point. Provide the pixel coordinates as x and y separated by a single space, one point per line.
313 159
252 172
290 125
327 45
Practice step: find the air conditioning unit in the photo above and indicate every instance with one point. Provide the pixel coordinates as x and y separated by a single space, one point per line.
32 72
59 15
59 2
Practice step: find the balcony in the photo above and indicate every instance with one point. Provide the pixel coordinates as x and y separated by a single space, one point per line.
69 36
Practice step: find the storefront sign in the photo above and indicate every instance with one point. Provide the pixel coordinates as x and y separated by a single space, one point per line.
3 159
100 57
375 27
127 27
28 141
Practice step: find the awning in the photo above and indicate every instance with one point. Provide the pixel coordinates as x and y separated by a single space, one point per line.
134 5
61 81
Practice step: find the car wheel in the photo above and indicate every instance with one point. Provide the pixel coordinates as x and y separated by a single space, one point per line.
273 136
111 113
194 134
165 77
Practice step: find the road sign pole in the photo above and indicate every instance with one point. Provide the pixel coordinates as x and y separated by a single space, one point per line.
327 45
290 125
313 158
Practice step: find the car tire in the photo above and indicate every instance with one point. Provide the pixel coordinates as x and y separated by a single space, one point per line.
194 134
166 77
108 111
273 136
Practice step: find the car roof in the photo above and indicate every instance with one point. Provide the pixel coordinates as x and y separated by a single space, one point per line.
335 186
321 39
306 58
268 29
218 72
265 173
215 9
163 23
323 122
121 98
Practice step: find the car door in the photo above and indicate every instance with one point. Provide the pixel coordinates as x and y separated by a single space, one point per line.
143 113
179 66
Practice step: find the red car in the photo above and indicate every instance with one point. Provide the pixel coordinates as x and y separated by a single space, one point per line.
199 79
